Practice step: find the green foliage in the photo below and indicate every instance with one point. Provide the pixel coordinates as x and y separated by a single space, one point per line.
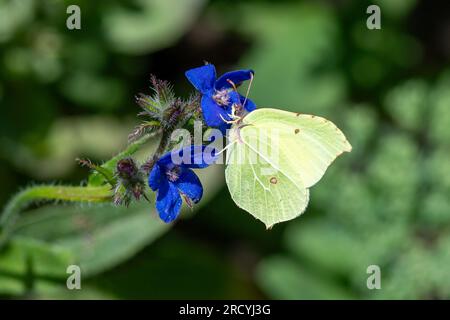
391 210
439 116
149 25
311 83
28 265
407 104
386 203
95 238
98 237
276 272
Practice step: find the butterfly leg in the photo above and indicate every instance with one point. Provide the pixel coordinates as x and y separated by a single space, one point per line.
235 118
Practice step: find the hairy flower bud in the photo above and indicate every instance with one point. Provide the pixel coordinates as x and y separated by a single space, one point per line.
131 182
126 169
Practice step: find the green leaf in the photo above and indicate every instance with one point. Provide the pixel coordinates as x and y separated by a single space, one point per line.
437 167
98 237
27 265
407 104
68 138
154 25
440 112
395 163
309 81
14 15
92 90
361 125
116 241
412 276
281 278
326 246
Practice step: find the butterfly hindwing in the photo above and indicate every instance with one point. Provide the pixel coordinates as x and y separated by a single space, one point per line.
256 186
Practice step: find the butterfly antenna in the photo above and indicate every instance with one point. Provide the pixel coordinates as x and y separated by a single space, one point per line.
248 89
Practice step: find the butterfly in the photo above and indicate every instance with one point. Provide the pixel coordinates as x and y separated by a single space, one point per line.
274 157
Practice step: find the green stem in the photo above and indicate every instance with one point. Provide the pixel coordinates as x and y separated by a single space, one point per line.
165 137
163 143
39 193
131 149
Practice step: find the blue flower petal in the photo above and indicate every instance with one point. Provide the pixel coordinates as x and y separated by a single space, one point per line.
202 78
190 157
166 160
249 104
212 112
237 77
235 98
189 184
168 201
154 178
201 157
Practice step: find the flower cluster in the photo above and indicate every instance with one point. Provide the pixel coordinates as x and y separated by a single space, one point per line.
170 173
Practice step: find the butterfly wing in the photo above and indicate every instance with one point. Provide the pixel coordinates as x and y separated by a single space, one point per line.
275 157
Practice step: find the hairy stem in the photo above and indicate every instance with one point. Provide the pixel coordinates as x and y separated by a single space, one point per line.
163 143
165 135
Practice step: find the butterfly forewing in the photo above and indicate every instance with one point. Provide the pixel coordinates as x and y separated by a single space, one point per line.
309 142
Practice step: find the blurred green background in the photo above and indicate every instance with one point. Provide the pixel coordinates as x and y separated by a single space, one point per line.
70 93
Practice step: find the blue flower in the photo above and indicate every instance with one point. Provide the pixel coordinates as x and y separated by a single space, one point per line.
218 95
172 177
